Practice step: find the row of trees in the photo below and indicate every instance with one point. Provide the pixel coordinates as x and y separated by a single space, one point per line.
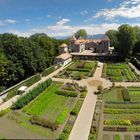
126 39
22 57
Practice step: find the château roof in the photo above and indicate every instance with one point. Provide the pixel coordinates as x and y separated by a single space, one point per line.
64 56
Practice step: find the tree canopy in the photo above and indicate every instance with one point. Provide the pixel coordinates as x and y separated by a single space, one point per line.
81 33
22 57
112 34
126 39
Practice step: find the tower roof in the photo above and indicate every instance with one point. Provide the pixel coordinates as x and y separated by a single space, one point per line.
63 45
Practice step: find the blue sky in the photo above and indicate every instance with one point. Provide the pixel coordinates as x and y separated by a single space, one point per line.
64 17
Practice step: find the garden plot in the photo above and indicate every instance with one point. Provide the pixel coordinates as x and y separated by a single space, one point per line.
46 115
119 72
79 70
120 114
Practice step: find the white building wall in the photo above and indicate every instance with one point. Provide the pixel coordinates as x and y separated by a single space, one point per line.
67 61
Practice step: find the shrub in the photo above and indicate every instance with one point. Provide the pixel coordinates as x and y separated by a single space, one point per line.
44 122
125 95
24 100
100 88
83 94
66 93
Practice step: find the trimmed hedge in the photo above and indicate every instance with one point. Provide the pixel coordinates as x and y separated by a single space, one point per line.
48 71
80 70
24 100
44 122
77 107
125 95
66 93
28 82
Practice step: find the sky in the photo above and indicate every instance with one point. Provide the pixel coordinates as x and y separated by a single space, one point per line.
65 17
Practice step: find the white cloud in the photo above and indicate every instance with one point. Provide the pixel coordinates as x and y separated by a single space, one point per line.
127 9
49 16
84 12
27 20
63 21
67 30
20 33
1 23
10 21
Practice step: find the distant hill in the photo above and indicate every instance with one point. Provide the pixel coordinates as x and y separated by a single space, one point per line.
96 36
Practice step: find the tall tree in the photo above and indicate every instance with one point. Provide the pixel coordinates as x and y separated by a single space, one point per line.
126 38
81 33
113 35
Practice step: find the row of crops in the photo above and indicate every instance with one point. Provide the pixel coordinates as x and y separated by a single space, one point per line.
120 72
121 115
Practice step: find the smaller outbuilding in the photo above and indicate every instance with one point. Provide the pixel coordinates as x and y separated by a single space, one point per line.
63 48
63 59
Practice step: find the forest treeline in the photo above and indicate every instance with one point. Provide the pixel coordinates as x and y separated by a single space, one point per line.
22 57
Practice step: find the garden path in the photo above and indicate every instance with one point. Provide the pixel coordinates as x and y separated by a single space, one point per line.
8 103
83 122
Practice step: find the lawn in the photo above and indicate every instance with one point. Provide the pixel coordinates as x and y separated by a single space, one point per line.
119 72
113 95
49 104
79 70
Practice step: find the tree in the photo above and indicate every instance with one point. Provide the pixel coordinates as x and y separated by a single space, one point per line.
126 38
137 31
100 88
113 34
81 33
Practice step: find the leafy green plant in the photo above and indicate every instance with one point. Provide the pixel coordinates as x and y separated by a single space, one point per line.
24 100
118 122
117 137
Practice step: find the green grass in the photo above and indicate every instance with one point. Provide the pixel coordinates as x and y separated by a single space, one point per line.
117 137
63 115
113 95
47 104
120 72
